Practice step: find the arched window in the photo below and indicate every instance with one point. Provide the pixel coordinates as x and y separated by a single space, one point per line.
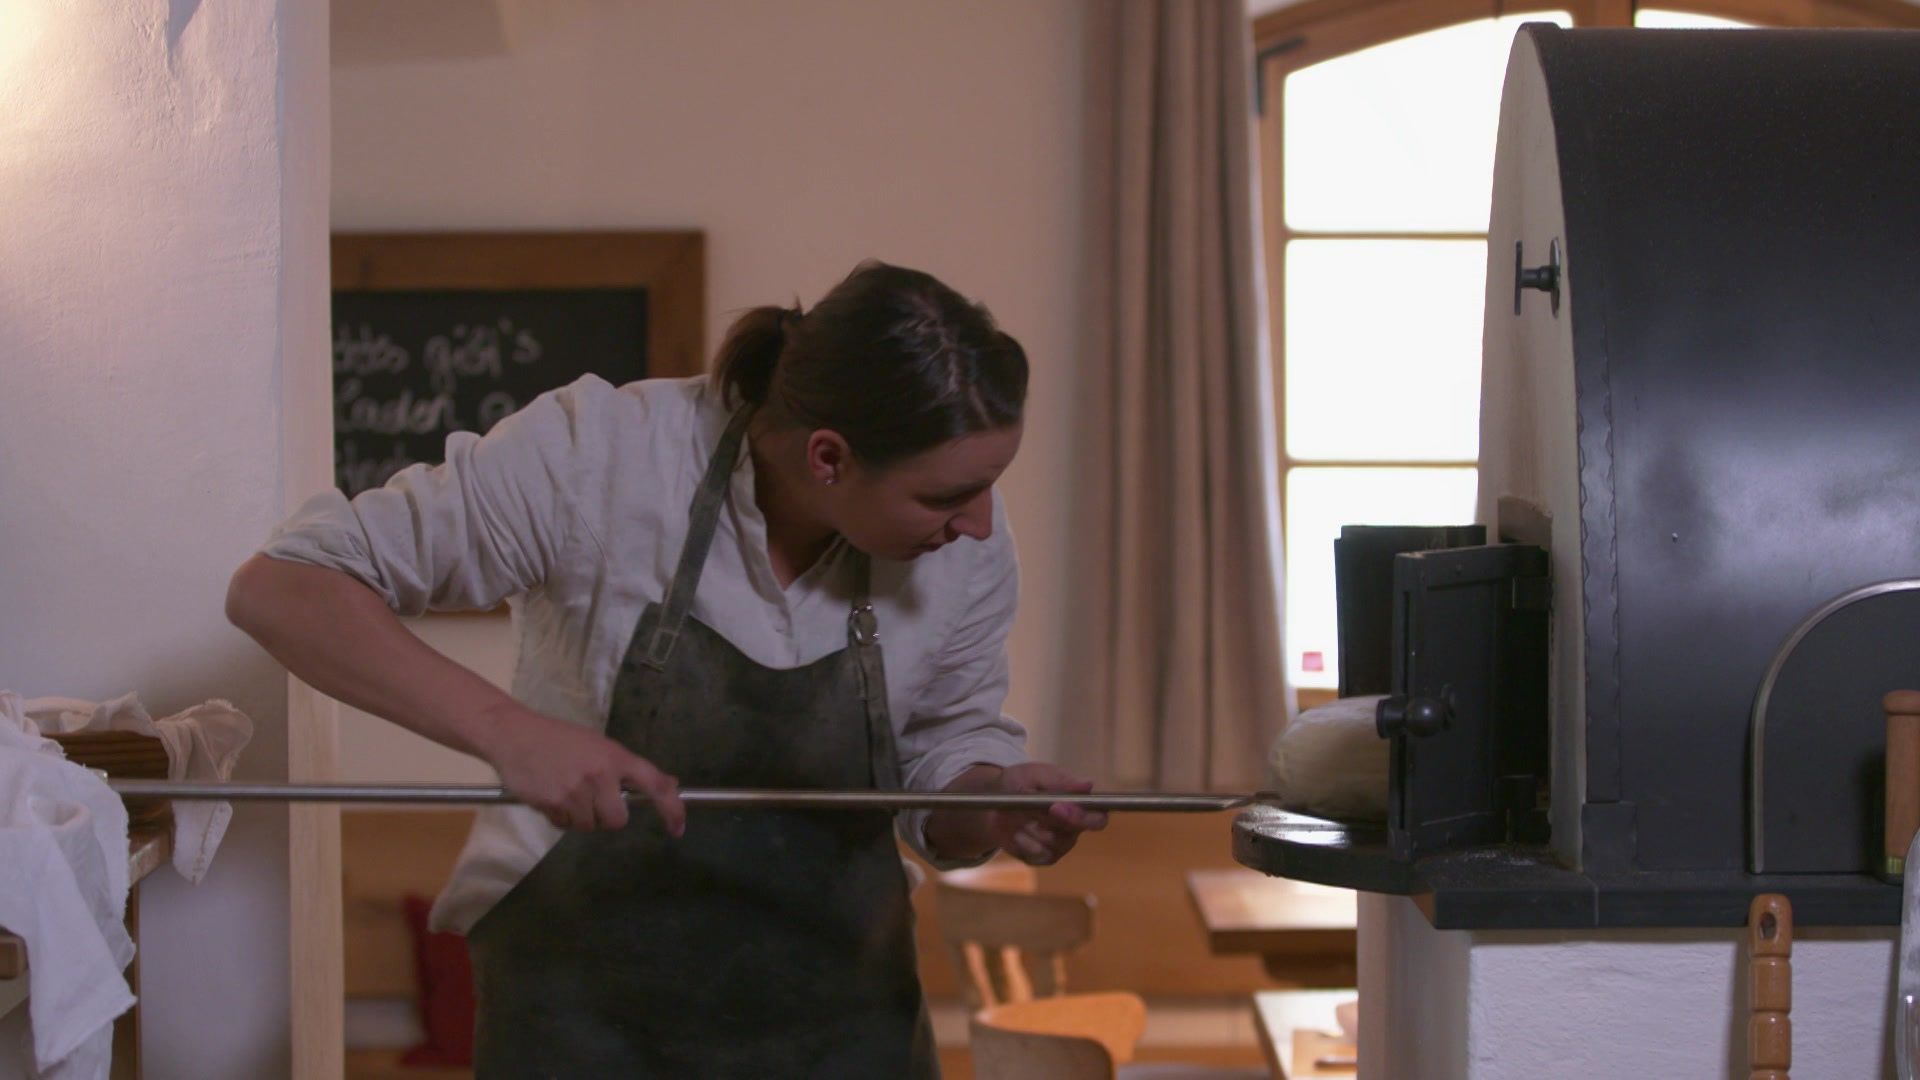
1377 125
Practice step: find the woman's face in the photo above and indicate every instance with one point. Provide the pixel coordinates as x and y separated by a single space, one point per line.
922 503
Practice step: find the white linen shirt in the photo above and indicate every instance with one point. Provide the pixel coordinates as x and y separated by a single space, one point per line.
574 510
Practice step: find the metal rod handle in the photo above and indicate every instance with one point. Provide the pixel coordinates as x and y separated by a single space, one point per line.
468 794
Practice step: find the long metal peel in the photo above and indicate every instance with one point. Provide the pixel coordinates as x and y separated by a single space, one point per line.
1191 802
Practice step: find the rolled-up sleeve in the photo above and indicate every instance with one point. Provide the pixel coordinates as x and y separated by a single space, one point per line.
490 522
957 720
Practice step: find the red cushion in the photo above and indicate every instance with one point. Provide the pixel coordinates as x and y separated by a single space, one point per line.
446 991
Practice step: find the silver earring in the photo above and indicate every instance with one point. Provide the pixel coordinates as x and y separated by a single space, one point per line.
833 479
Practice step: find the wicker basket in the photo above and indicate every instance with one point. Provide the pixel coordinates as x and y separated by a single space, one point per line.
128 756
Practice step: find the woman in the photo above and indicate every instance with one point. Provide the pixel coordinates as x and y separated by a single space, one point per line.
705 570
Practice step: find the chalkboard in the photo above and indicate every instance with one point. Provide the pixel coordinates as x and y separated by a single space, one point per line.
435 333
412 367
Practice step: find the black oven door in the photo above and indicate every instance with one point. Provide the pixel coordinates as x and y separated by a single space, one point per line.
1468 712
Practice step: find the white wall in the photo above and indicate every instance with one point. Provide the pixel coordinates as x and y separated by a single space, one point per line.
372 749
1413 999
1508 1005
801 136
144 321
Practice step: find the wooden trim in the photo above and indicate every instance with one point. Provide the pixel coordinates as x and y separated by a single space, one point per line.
313 855
670 265
1273 214
1867 14
1614 13
1307 33
125 1061
1315 30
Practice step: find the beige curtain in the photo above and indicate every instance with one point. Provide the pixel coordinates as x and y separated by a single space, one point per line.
1175 674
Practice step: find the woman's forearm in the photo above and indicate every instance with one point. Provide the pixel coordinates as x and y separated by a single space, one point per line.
339 637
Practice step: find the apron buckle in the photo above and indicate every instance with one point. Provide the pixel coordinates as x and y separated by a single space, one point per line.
863 625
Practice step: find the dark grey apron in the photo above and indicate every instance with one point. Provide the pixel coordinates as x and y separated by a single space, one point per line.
762 943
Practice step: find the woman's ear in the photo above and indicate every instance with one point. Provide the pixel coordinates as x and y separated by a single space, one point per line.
827 456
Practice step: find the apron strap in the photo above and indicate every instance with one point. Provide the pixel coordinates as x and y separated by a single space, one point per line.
863 637
703 520
863 631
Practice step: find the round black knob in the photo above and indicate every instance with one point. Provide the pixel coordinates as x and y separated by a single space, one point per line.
1411 716
1425 716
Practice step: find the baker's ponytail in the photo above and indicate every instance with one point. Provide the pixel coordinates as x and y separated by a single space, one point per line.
744 367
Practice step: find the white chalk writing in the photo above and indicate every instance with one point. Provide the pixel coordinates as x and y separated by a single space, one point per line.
472 352
465 369
357 350
466 354
401 415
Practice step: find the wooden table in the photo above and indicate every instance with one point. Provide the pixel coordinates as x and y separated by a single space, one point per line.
1300 1035
1302 932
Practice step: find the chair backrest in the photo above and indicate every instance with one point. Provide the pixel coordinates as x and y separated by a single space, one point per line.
386 854
1072 1037
1009 942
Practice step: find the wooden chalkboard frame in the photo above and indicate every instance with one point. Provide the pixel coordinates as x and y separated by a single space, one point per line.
670 265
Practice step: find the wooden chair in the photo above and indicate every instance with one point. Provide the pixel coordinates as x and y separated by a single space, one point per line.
1008 941
1075 1037
384 855
1072 1037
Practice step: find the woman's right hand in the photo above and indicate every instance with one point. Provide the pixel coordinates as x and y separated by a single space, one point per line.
340 638
577 777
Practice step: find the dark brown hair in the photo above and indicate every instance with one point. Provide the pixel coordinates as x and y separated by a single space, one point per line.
891 359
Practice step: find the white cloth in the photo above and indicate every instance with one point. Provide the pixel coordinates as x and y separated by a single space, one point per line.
203 744
575 507
63 889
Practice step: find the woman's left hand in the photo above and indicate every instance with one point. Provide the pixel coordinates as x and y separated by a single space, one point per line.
1039 838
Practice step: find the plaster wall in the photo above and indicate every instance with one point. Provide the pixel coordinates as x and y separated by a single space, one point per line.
802 138
1509 1005
152 306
